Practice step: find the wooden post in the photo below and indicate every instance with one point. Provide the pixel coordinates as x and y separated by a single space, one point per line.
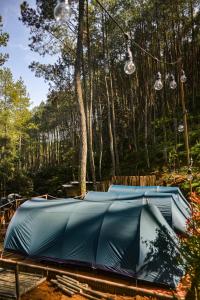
186 137
17 285
190 187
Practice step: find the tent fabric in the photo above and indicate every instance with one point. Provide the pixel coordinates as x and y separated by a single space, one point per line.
157 189
104 235
173 211
105 196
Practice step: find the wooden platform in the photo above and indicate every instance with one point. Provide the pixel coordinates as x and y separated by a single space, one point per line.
96 281
27 281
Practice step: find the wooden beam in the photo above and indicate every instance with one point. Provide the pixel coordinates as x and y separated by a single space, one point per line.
17 283
104 285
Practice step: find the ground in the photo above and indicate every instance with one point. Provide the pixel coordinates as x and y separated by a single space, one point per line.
46 291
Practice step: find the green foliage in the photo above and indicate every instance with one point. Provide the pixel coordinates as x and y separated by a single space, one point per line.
3 42
194 184
143 122
20 182
14 116
195 152
190 248
50 179
164 254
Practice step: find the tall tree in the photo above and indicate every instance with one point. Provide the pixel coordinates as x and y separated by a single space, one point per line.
83 127
3 42
138 122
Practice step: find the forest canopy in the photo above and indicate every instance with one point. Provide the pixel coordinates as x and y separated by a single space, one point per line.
131 128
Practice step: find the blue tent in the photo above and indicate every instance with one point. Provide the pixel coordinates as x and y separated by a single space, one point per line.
157 189
105 235
168 204
118 195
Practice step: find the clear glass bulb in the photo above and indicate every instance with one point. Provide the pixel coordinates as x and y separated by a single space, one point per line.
183 78
62 11
106 67
129 67
180 128
189 177
173 84
158 85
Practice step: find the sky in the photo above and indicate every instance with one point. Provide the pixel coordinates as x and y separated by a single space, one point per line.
20 56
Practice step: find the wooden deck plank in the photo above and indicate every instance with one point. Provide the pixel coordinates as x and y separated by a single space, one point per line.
27 282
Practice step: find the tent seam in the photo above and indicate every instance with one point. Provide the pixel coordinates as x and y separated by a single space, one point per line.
99 233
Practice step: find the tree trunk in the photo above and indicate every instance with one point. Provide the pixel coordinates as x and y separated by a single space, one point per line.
146 132
113 167
100 140
186 136
83 128
90 107
114 126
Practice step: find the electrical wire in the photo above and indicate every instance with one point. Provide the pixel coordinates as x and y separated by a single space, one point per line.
135 43
61 41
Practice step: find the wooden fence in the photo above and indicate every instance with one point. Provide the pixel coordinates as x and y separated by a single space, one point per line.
127 180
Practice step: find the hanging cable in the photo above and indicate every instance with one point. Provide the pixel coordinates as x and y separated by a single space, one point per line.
135 43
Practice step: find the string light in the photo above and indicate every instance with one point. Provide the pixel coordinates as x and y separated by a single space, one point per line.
172 83
129 67
189 175
183 78
62 11
158 84
180 128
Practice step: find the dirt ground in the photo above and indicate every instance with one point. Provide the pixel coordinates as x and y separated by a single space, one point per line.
46 291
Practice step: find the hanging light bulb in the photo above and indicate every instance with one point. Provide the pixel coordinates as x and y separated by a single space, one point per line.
129 67
189 175
183 78
62 11
107 69
106 66
172 83
158 84
180 128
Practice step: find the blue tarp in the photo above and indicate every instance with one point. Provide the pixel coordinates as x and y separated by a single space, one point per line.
104 235
169 205
156 189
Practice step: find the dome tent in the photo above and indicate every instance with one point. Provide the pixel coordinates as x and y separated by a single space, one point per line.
175 214
106 196
102 235
157 189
